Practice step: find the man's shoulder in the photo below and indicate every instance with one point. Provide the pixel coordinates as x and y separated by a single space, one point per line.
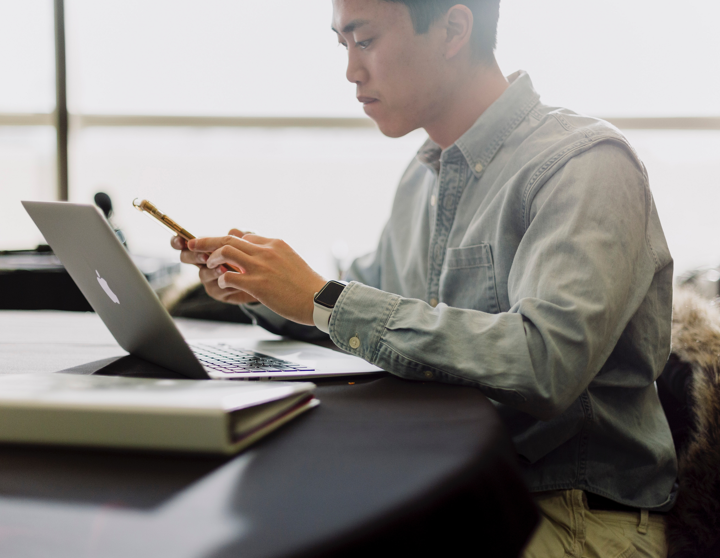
544 141
559 130
550 137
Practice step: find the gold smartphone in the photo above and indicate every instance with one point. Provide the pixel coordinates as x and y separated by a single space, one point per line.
145 206
150 209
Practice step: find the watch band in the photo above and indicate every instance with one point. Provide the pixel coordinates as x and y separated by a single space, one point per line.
321 317
324 303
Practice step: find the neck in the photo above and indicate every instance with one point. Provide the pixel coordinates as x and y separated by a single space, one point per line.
469 98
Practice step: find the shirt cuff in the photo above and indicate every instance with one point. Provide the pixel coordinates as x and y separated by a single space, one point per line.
358 321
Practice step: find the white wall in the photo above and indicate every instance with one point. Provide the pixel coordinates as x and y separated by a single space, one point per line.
278 57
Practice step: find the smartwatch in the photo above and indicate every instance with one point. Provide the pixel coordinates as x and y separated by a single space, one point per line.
325 302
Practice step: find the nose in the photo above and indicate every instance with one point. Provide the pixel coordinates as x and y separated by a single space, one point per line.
356 71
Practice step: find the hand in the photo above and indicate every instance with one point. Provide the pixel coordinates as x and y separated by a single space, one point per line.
274 273
209 277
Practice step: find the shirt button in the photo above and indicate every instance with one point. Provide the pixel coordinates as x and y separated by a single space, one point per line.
433 200
433 302
478 167
354 342
428 374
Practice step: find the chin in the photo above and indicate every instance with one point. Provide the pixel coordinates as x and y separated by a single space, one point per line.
395 129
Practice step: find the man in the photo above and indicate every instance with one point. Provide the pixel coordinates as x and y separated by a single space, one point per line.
523 256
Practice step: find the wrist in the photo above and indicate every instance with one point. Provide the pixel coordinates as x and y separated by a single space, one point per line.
309 304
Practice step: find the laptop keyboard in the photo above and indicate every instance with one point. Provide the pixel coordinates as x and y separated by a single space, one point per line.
231 360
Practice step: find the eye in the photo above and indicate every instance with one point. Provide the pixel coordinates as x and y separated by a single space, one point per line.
341 44
364 44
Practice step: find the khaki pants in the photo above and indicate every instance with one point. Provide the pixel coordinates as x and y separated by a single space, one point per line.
568 528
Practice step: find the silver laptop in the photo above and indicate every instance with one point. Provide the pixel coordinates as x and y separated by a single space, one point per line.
99 264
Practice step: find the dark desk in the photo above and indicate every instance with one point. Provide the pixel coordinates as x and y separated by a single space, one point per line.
382 465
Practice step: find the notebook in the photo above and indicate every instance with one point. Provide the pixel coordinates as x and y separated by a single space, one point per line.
103 270
142 413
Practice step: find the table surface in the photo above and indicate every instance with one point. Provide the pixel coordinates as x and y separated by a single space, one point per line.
382 462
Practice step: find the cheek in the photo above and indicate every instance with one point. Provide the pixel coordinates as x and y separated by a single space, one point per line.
412 78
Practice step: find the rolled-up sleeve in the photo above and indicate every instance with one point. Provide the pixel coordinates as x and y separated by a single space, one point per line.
582 269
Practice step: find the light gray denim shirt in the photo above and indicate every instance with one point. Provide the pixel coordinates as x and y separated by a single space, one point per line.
527 260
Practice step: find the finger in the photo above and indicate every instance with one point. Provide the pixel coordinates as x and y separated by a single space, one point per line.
218 293
210 244
178 243
208 275
239 297
214 290
230 257
256 239
227 293
233 281
238 232
195 258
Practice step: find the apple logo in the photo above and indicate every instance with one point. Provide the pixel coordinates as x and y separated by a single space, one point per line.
107 288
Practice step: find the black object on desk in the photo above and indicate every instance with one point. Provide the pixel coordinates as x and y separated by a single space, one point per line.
37 280
383 465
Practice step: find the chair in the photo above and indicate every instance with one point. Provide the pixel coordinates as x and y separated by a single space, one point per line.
690 391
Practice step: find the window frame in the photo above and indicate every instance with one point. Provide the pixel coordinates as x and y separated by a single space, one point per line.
64 122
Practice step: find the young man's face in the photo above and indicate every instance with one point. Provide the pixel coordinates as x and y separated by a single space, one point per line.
399 74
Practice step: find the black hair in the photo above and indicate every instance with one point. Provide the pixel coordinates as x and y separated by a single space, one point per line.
485 16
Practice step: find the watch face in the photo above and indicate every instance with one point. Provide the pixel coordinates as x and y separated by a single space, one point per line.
329 294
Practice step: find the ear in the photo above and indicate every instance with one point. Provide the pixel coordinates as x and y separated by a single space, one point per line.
459 26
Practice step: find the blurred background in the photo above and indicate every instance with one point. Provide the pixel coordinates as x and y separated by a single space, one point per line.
236 113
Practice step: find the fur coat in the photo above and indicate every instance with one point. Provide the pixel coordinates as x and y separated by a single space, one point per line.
694 522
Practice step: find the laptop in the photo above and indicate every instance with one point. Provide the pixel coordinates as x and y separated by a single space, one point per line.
101 267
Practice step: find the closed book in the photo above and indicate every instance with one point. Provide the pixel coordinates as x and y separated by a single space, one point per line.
206 416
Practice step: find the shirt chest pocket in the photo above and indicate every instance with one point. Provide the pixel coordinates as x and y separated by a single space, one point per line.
467 279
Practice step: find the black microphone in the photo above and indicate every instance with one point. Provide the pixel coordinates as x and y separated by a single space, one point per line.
103 201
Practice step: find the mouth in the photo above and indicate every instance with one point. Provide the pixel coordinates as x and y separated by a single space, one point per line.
366 100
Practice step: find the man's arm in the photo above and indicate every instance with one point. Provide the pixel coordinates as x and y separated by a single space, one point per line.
365 269
584 266
592 252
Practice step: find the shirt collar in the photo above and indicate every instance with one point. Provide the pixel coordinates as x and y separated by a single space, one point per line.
481 142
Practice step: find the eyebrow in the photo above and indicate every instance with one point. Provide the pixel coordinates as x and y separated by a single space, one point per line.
354 24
